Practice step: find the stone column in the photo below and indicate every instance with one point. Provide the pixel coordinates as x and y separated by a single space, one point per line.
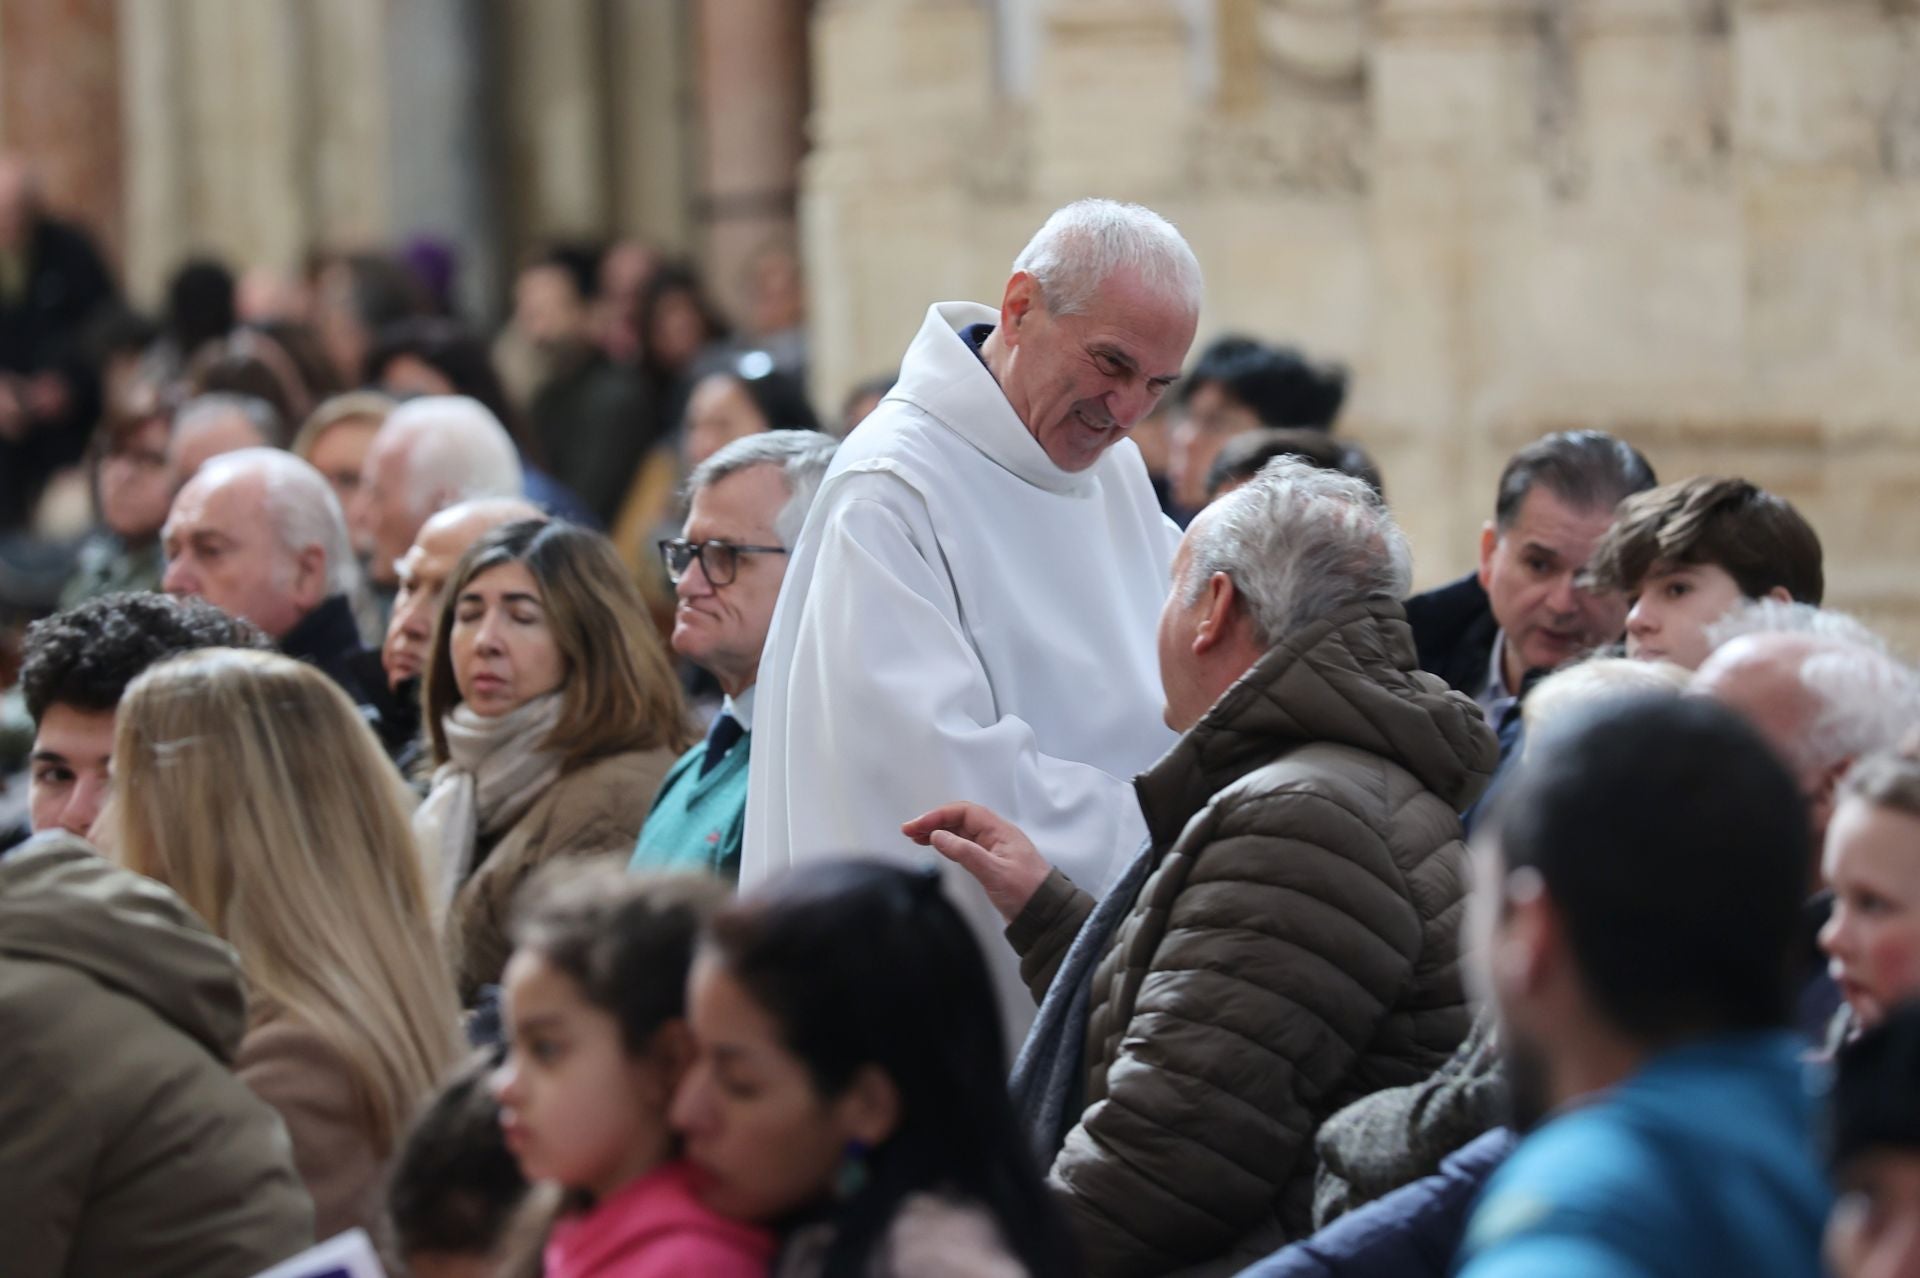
444 92
1118 102
157 211
753 92
557 118
905 112
1454 88
651 100
60 106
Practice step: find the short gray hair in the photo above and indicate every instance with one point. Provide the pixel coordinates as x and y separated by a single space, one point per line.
257 412
1086 243
1791 617
300 503
1868 702
454 448
1299 544
802 456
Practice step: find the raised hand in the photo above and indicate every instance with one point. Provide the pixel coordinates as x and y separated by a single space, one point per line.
987 846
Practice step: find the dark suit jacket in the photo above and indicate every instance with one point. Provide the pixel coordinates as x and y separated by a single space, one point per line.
1453 631
328 638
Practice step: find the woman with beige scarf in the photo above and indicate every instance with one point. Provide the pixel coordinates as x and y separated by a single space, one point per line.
553 715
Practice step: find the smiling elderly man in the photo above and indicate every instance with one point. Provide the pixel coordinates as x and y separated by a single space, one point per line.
969 610
748 502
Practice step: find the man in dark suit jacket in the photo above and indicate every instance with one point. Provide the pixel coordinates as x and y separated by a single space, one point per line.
1528 607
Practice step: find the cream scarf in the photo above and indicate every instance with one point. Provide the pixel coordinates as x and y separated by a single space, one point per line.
495 770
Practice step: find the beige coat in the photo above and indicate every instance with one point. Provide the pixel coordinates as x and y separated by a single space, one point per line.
328 1116
127 1146
1293 947
595 809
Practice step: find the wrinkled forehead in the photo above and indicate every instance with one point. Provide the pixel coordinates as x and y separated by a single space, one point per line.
1547 519
1150 323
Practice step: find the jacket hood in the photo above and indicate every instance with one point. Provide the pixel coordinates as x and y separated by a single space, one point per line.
61 902
1350 680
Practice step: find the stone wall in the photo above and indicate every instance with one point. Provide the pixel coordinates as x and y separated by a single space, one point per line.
1693 222
258 128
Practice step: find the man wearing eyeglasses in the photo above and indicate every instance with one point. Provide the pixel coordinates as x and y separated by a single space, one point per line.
747 504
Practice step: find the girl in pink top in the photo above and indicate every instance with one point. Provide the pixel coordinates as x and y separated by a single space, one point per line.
594 1002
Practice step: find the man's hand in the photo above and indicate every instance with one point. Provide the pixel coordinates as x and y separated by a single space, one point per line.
990 848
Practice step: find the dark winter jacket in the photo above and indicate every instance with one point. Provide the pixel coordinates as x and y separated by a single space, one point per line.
1294 948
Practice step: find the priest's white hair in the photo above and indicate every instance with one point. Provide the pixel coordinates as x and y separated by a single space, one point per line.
1299 544
802 457
1084 244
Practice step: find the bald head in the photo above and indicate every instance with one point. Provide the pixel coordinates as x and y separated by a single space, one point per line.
1821 702
423 572
431 453
258 533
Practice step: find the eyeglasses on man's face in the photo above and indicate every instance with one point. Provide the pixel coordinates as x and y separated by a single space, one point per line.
719 560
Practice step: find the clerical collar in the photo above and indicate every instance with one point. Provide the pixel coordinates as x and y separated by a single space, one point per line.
975 336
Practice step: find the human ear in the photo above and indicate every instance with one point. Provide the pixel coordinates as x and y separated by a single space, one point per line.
310 577
1780 593
1521 956
1489 539
1016 304
1215 623
870 1107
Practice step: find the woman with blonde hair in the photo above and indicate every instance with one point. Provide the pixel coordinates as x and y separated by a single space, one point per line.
553 715
249 784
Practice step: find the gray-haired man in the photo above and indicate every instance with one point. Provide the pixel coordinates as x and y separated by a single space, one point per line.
746 506
1286 941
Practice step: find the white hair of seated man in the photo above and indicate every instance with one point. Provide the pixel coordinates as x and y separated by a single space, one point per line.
1790 617
301 506
1868 699
454 450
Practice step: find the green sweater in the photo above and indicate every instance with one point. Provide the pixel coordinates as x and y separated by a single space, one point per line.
698 822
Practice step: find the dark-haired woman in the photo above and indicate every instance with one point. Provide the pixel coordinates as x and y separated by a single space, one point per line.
553 715
849 1085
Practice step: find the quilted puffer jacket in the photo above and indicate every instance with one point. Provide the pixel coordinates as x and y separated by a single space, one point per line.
1294 946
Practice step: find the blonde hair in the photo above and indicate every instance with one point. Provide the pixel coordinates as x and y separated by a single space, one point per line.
248 783
350 406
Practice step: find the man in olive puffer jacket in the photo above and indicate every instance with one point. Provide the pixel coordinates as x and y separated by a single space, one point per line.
1288 939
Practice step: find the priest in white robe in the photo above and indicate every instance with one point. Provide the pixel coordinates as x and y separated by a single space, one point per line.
970 610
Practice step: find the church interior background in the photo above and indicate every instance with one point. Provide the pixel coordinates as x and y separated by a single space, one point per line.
1695 223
